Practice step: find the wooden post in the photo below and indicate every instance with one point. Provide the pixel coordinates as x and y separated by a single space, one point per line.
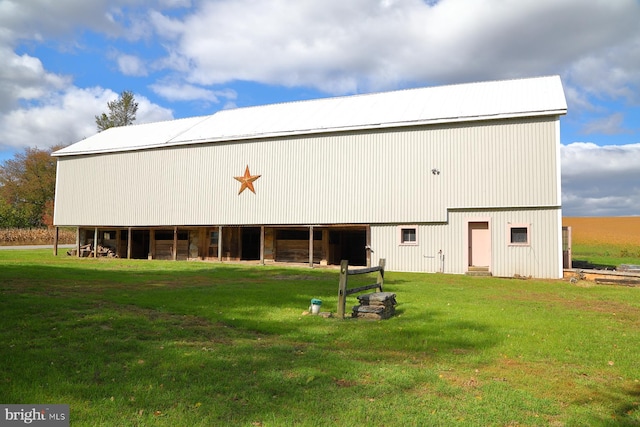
56 234
325 247
152 243
381 263
95 243
311 246
129 243
118 242
342 288
78 242
262 244
175 243
368 243
220 243
342 285
203 247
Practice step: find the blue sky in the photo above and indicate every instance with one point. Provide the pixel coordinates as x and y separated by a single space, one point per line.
64 60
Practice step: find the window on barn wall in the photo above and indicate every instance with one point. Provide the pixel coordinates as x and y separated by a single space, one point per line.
408 235
518 234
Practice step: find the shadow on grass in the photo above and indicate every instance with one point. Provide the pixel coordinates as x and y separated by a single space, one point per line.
206 344
587 265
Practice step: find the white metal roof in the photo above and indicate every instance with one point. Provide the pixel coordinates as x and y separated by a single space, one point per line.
410 107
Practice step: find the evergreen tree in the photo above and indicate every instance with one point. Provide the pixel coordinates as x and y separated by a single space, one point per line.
122 112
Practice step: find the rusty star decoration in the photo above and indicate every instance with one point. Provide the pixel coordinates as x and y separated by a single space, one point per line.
247 181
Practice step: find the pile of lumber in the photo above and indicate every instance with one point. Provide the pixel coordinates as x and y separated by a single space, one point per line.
630 268
87 251
376 305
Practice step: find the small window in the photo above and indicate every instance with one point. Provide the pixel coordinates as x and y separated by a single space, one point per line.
408 235
519 235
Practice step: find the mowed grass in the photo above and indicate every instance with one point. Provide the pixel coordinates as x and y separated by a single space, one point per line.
162 343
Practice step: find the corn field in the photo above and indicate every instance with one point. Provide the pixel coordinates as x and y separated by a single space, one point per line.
35 236
619 231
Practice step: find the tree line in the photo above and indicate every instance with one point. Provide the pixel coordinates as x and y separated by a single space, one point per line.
28 181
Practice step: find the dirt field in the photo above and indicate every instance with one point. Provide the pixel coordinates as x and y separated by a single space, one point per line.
621 231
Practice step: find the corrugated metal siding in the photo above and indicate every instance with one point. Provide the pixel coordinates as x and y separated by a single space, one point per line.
542 258
357 177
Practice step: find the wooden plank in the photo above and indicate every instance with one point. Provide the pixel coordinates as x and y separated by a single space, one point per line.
363 270
623 282
364 288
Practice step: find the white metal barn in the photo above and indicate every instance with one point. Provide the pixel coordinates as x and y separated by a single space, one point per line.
442 179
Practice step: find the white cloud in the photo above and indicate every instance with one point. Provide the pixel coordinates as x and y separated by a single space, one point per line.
23 77
36 19
39 108
598 181
131 65
187 92
66 118
609 125
340 46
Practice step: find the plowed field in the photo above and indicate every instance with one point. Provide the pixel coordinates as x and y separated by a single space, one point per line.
619 231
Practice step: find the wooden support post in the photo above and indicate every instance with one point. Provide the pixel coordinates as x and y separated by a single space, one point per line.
220 243
262 244
129 243
382 264
56 235
118 242
368 243
78 242
203 247
325 248
95 243
175 243
311 246
342 288
152 244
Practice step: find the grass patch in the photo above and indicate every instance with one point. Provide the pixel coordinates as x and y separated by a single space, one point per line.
605 255
128 342
604 242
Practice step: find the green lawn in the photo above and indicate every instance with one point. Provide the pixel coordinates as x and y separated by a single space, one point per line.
606 256
162 343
